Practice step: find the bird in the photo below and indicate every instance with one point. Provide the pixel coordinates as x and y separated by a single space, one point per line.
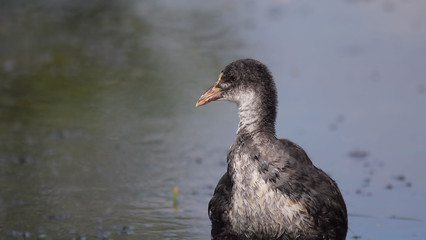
271 189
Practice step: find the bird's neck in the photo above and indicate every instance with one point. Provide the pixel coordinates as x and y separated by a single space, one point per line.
256 117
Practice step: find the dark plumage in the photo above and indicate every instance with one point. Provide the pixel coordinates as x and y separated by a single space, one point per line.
271 189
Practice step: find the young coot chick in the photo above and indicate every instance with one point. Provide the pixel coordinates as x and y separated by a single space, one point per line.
271 189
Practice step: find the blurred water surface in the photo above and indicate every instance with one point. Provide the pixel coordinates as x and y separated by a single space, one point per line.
98 124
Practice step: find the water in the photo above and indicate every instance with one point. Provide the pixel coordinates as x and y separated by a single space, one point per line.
98 123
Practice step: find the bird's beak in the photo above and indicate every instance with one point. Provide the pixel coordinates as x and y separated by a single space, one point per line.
213 93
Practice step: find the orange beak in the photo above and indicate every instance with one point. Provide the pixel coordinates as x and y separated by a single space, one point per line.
213 93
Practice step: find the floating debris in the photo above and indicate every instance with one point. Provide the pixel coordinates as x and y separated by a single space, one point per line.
367 181
358 154
24 160
198 160
400 178
404 218
126 230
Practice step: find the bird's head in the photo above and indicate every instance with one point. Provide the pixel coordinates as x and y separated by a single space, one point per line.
243 81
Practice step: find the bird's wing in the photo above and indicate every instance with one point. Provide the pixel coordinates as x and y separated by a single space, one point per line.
304 183
296 151
219 204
